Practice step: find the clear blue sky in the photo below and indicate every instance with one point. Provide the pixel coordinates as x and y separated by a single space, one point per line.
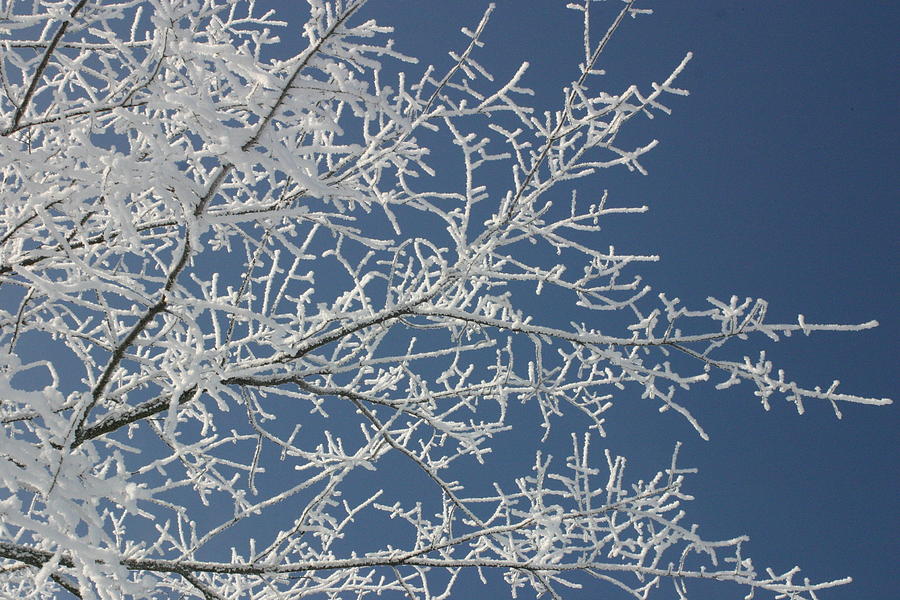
777 178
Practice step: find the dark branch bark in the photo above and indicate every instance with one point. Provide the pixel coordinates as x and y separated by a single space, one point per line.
111 423
39 72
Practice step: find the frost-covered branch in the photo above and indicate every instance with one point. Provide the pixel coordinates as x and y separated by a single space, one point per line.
269 326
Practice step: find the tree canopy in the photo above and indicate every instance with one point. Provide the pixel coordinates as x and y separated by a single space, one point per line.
287 295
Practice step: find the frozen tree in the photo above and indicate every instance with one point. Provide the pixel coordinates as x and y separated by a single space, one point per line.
245 323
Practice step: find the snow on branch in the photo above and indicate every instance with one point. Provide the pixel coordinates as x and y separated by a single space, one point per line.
269 325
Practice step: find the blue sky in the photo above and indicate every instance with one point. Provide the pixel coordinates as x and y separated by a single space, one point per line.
775 178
